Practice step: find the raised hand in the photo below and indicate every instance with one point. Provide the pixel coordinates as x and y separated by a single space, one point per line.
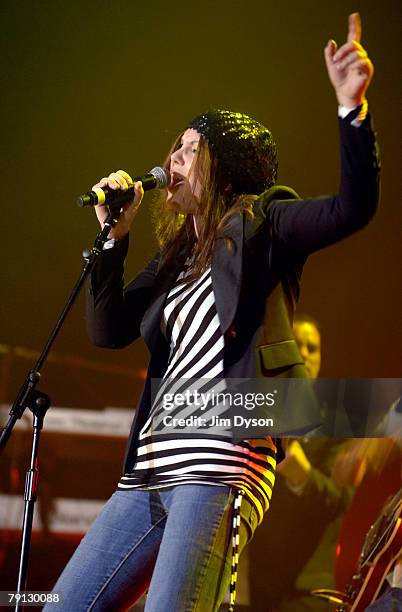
349 67
120 180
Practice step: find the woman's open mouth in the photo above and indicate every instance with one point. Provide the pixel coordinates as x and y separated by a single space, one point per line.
176 180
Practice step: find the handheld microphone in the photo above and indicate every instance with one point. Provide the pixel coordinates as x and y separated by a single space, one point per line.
157 178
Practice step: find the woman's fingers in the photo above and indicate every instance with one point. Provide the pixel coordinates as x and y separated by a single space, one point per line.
132 206
349 47
115 180
364 67
354 28
138 193
102 183
351 58
126 177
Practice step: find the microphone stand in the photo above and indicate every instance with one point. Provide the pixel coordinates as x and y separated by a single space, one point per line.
38 402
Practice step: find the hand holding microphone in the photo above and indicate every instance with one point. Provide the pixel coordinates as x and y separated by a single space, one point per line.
120 180
123 192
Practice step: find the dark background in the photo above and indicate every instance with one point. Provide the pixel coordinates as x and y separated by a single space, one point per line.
92 87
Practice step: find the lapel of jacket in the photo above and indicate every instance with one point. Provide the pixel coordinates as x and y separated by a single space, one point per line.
151 320
227 271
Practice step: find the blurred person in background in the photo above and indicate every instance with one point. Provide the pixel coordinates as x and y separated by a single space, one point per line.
294 550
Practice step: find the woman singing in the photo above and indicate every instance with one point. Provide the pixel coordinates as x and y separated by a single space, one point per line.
216 302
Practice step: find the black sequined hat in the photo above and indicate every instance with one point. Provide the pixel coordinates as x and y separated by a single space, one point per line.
245 148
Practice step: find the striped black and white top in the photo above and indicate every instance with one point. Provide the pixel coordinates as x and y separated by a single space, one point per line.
165 458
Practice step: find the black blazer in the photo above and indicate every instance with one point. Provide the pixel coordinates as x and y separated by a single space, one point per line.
256 284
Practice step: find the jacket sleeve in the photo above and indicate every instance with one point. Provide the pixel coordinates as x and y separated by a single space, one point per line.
304 226
330 499
114 312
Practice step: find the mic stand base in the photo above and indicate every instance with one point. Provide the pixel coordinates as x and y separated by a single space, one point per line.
39 407
38 402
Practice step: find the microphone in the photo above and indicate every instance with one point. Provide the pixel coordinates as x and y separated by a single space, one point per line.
157 178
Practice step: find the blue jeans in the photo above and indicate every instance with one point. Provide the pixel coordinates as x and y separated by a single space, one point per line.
175 542
390 601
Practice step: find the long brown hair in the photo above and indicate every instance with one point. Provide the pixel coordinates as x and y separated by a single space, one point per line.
217 204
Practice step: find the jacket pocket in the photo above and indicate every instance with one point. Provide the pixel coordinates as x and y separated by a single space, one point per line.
280 357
